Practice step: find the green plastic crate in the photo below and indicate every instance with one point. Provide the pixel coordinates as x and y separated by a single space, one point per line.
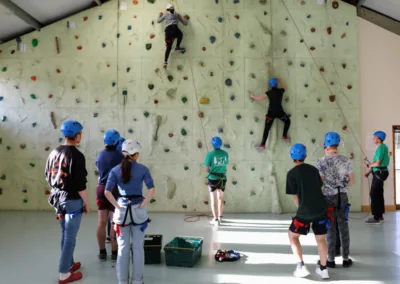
152 249
183 251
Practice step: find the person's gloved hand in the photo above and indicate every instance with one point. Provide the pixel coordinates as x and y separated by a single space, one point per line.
186 17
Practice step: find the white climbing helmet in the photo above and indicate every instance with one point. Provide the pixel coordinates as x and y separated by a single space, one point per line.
170 6
131 147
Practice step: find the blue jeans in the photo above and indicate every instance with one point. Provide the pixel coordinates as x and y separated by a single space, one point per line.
69 229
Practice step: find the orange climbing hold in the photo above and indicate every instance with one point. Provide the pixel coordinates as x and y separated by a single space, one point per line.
152 36
76 37
1 51
204 48
135 2
58 71
33 78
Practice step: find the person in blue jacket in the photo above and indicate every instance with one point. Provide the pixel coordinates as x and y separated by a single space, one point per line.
106 160
130 216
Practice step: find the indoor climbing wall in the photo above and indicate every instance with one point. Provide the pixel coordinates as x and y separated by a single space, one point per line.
103 67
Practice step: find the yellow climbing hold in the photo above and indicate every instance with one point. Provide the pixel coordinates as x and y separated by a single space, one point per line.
204 101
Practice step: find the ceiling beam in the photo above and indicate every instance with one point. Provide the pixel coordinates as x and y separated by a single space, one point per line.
22 14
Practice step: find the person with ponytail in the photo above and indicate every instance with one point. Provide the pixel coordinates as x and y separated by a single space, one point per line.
130 216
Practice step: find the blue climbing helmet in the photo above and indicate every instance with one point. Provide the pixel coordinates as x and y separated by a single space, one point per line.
331 139
120 142
216 142
111 137
70 128
298 152
381 135
273 82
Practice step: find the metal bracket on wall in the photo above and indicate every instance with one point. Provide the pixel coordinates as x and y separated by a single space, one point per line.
22 14
379 19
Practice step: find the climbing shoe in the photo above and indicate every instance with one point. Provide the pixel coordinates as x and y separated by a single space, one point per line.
75 266
73 277
347 263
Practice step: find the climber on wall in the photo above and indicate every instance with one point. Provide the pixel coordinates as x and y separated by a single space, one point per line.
275 109
130 217
215 163
337 174
304 183
66 174
105 161
380 173
172 31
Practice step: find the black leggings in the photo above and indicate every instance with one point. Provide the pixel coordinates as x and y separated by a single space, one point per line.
171 33
268 123
376 194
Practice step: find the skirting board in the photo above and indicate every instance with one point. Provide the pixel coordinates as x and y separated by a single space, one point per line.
388 208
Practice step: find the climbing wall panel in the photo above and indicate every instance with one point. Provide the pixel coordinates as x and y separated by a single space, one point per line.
103 67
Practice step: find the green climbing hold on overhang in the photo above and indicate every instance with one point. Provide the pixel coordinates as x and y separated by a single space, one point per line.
148 46
170 78
184 100
146 114
33 96
4 69
150 86
183 132
35 42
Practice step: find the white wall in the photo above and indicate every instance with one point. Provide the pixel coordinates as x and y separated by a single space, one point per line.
379 59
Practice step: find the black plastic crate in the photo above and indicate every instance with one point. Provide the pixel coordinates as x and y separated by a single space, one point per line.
152 249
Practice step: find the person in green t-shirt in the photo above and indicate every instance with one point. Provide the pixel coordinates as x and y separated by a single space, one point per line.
380 173
215 163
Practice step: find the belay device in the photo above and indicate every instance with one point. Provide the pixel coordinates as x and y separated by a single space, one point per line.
227 255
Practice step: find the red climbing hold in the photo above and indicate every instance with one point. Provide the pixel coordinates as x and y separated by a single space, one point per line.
335 4
33 78
108 65
312 30
85 19
47 149
185 78
1 51
152 36
312 48
205 202
50 96
201 114
329 30
349 87
96 101
130 43
79 47
322 69
204 48
237 17
58 71
156 101
171 135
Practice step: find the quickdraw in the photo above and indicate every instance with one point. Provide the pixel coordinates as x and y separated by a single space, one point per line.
227 255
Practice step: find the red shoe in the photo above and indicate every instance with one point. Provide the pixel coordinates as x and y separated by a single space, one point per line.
75 266
73 277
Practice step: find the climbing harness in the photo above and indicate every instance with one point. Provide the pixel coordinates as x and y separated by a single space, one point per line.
227 255
297 225
221 178
54 201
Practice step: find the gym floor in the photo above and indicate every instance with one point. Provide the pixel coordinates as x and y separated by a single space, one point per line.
29 250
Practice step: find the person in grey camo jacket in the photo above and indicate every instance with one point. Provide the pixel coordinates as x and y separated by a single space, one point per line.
172 31
337 174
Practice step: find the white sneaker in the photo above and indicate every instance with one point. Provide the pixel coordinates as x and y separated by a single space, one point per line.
301 272
323 273
214 223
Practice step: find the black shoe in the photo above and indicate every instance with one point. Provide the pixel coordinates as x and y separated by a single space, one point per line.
347 263
103 255
330 264
114 256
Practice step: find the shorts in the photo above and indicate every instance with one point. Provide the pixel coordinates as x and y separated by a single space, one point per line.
213 185
302 227
101 200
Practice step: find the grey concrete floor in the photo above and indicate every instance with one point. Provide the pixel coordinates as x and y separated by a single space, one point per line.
29 251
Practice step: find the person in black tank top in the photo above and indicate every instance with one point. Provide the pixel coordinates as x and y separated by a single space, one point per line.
275 109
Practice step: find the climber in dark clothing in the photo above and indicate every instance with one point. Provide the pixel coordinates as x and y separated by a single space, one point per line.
172 31
275 109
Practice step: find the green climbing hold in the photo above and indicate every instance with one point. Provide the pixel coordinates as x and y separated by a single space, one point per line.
32 165
183 51
185 117
184 100
4 118
124 92
151 86
114 84
100 17
152 200
118 35
146 114
151 1
33 96
186 168
170 78
184 206
148 46
35 42
180 67
4 69
183 132
25 200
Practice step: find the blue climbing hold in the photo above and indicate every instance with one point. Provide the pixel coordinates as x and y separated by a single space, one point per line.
130 131
228 146
18 39
216 1
1 98
212 39
308 16
8 148
220 20
238 116
95 114
129 28
302 65
236 1
234 182
347 23
237 35
220 130
60 140
228 82
34 124
232 98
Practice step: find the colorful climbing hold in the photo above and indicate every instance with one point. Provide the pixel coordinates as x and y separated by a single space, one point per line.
329 30
1 98
183 132
47 149
312 48
184 206
35 42
184 100
211 74
322 69
237 35
58 71
170 78
319 100
79 47
251 132
148 46
24 190
60 140
302 40
124 92
32 165
237 17
335 4
4 69
146 114
343 36
204 48
320 119
155 101
3 177
128 69
130 131
95 114
234 182
104 45
25 200
347 23
85 18
204 100
1 191
4 118
150 86
118 35
236 1
228 82
201 114
185 78
129 27
220 130
33 96
332 98
344 65
212 39
205 202
238 116
171 134
185 117
313 140
114 84
34 124
313 30
22 146
284 50
308 16
228 146
349 87
302 65
283 33
47 192
231 62
344 128
232 97
152 200
12 51
303 3
100 17
220 19
33 78
199 145
50 96
166 150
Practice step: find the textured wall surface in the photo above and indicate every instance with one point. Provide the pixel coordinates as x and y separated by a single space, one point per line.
105 77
